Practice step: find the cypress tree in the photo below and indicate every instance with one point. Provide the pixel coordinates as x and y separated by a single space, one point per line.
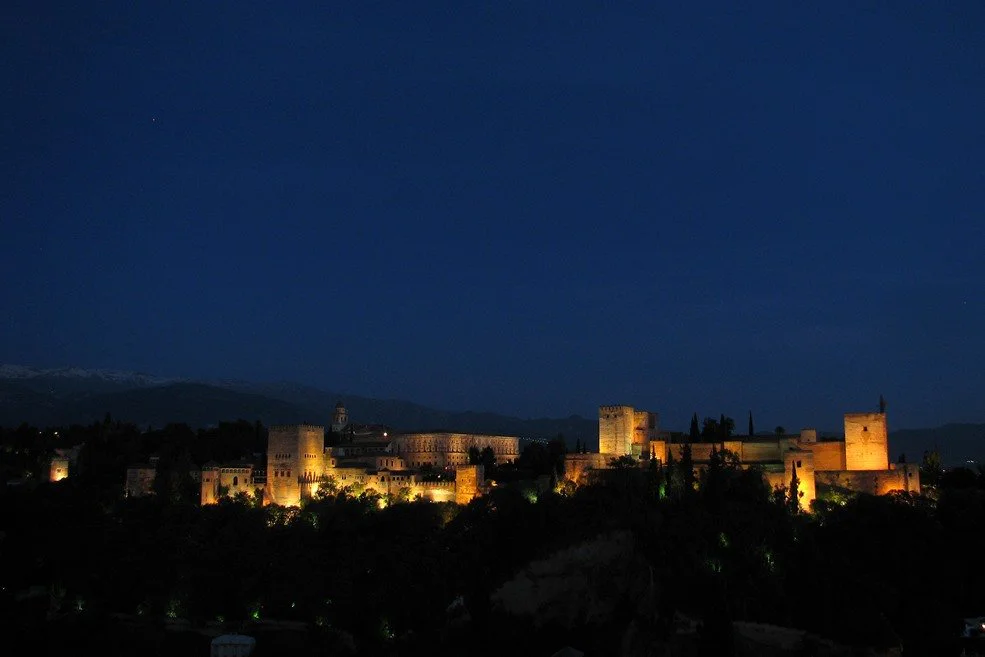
794 499
695 431
751 432
687 468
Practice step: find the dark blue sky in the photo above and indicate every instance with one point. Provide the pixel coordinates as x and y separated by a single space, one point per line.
531 208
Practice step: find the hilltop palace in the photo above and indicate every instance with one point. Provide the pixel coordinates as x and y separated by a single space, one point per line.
858 462
298 461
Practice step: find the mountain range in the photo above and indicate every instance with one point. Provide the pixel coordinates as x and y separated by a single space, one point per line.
63 396
71 395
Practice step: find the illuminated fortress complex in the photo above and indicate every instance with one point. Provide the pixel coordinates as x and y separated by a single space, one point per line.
405 465
858 462
299 462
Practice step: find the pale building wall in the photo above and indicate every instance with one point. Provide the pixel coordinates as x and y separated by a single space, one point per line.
469 482
760 451
236 479
435 491
788 442
390 462
506 448
437 450
616 430
351 476
866 441
659 450
577 466
228 479
776 478
903 477
444 449
700 452
828 456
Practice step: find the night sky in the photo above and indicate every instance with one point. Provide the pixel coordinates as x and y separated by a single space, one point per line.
529 208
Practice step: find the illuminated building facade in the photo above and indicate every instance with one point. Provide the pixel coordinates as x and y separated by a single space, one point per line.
858 462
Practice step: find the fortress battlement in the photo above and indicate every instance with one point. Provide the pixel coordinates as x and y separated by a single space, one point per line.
861 459
440 485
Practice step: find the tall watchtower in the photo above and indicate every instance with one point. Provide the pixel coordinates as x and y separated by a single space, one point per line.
866 441
340 419
294 457
617 428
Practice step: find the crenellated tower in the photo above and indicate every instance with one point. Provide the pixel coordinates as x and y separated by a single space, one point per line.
294 459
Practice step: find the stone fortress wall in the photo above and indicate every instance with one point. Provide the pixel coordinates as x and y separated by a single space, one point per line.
299 463
900 477
859 462
229 479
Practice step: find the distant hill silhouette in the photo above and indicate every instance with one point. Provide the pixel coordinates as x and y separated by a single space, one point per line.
65 396
44 400
957 443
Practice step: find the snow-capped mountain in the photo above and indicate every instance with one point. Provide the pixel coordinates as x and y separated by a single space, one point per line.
66 395
120 377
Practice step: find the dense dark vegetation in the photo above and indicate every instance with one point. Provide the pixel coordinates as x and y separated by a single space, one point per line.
82 567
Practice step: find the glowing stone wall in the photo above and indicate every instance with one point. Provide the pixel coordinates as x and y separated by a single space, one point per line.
866 441
617 429
828 456
289 458
468 481
444 449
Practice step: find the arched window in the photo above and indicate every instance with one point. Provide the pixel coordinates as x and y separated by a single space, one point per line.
235 481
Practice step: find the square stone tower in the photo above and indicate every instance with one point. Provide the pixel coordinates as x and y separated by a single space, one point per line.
646 429
866 441
617 428
294 455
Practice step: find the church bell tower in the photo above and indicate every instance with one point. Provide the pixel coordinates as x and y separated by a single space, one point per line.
340 419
